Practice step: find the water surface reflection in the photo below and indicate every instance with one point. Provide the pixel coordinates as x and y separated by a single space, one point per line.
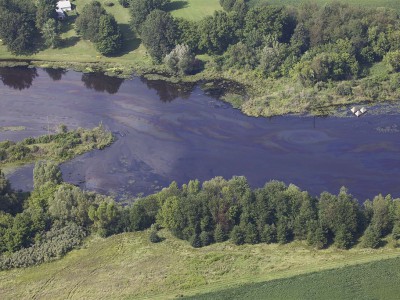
192 137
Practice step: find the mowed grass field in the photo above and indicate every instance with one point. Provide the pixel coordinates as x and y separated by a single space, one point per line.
128 266
376 280
395 4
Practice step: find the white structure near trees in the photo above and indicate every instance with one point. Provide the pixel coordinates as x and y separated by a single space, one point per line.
62 7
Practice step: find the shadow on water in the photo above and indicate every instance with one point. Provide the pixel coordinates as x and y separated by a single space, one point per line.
55 74
102 83
167 91
18 78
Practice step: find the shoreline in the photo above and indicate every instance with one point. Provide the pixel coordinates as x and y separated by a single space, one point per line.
253 96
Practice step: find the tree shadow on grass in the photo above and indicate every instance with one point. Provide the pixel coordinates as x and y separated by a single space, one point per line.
69 42
130 43
176 5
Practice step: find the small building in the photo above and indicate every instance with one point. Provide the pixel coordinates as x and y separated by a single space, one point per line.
62 7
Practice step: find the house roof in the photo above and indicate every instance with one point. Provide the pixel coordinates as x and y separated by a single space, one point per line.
64 5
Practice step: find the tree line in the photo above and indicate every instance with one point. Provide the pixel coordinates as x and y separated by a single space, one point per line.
310 42
55 217
28 26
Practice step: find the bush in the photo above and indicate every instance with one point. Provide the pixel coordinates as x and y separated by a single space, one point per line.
154 237
54 244
344 89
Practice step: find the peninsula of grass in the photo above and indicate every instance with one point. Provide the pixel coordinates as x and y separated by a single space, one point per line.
59 147
129 266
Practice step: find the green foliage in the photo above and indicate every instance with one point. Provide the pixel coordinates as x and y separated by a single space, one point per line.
45 11
237 235
392 58
88 22
219 234
371 238
140 9
17 30
109 38
268 234
159 34
217 32
153 236
180 60
53 245
51 33
46 172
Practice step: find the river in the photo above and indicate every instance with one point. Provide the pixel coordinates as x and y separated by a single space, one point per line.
169 132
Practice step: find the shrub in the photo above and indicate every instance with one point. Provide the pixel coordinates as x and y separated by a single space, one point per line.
54 244
237 235
371 237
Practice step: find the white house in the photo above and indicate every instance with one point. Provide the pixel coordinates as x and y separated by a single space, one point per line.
62 7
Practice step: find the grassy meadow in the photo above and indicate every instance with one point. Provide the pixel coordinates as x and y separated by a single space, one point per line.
128 266
375 280
395 4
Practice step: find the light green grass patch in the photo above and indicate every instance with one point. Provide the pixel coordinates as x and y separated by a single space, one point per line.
395 4
128 266
193 9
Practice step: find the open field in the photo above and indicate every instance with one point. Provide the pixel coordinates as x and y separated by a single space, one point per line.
193 9
376 280
128 266
395 4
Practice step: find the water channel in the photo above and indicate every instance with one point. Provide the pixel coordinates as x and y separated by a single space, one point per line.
171 132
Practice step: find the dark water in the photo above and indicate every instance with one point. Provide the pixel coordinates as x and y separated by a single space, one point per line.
168 132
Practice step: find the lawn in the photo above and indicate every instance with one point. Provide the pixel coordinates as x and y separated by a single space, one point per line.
376 280
193 9
128 266
395 4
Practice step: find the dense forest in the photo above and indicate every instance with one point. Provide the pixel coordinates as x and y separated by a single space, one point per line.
309 42
55 217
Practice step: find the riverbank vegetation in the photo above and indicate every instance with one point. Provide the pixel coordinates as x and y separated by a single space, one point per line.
289 59
216 211
58 147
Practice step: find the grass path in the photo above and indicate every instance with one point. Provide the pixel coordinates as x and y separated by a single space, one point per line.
127 266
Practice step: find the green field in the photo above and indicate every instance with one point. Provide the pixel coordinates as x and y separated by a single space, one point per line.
395 4
128 266
193 9
376 280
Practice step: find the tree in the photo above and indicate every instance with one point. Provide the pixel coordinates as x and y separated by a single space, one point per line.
18 30
140 9
51 33
268 234
159 34
46 10
219 234
46 172
251 234
371 237
269 20
237 235
392 58
217 32
109 38
180 60
87 23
